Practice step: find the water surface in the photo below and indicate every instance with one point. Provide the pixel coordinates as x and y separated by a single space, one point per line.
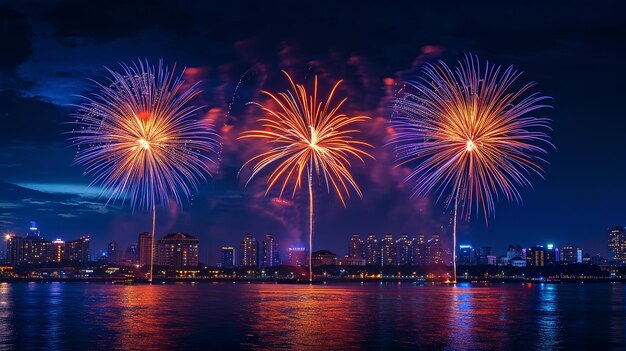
89 316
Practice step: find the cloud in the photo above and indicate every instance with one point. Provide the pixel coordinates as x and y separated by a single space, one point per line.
82 190
26 203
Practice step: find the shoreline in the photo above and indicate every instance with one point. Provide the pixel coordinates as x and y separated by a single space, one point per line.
315 282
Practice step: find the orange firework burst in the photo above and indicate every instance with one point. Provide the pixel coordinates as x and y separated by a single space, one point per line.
308 136
139 139
474 137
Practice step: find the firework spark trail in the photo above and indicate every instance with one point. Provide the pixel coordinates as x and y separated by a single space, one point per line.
307 136
138 137
471 134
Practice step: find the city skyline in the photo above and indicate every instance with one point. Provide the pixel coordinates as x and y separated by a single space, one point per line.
385 249
52 56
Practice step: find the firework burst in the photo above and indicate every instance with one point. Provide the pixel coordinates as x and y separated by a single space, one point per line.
471 133
307 137
138 139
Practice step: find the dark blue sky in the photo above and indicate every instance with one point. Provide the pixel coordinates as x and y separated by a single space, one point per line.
575 51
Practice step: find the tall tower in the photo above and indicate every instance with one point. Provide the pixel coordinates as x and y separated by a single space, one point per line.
372 250
227 257
419 251
403 250
144 244
269 253
617 246
356 248
434 250
78 250
249 251
113 252
131 254
388 251
58 250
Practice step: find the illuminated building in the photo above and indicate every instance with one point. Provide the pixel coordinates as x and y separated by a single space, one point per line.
403 250
617 246
348 261
466 256
570 255
419 255
356 248
249 251
37 250
113 252
388 251
324 258
434 250
269 253
32 249
297 257
177 250
78 250
58 250
552 254
144 245
15 247
372 250
536 256
227 259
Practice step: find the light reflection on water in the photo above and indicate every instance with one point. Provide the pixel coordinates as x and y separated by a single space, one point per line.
51 316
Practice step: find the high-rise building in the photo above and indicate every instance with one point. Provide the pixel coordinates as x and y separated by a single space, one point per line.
58 250
132 254
113 255
536 256
297 257
552 255
403 250
177 250
617 246
372 250
570 255
144 248
434 250
15 249
388 251
78 250
419 256
37 250
227 259
356 248
466 256
32 249
249 251
27 250
269 253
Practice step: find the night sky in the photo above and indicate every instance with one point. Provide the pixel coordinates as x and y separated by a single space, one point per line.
574 51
